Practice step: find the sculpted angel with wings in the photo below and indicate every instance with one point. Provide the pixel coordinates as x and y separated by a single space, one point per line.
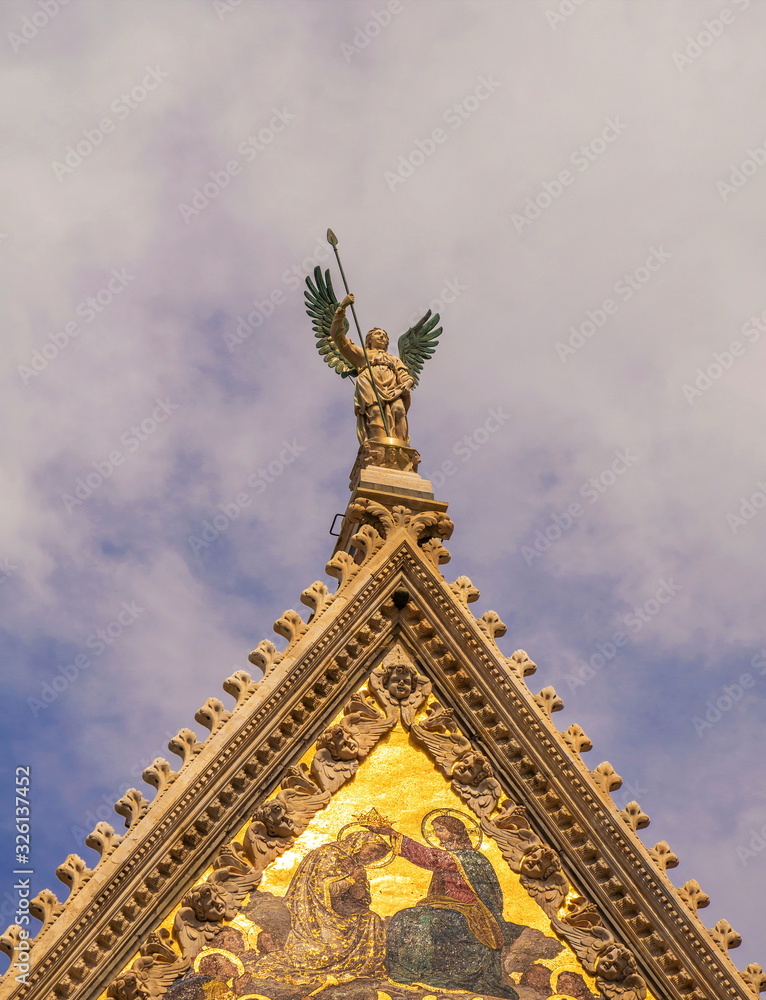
383 381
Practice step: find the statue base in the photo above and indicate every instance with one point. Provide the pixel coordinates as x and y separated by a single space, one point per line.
385 454
395 483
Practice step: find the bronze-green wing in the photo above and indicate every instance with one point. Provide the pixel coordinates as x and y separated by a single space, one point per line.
418 344
321 305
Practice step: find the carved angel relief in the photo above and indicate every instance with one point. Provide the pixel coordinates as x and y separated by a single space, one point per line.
207 905
152 973
398 686
341 747
469 770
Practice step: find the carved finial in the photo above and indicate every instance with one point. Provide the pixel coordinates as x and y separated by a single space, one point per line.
549 701
692 895
606 778
316 597
265 657
133 806
435 552
9 941
290 626
73 873
159 774
240 686
724 936
521 665
420 525
341 568
45 907
491 625
212 714
662 856
103 839
577 739
367 541
464 590
755 978
634 816
184 744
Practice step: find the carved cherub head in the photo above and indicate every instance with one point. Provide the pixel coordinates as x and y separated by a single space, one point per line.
400 680
614 963
275 819
471 769
540 863
340 743
128 986
207 902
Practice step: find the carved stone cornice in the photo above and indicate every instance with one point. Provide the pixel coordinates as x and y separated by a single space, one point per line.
391 591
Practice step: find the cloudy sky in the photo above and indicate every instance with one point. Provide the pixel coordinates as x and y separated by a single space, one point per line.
579 187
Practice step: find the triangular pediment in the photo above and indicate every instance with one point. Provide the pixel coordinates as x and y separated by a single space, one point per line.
487 742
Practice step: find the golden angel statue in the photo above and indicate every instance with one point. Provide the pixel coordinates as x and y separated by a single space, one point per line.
383 381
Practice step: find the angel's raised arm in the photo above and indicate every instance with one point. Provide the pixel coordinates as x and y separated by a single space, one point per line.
346 348
327 317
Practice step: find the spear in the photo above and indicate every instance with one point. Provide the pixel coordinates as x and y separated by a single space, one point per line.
332 239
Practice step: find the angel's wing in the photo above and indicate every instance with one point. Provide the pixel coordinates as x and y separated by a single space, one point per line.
321 305
418 344
366 724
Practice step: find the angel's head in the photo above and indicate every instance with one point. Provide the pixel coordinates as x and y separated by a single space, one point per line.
340 743
128 986
206 901
471 769
540 862
377 339
614 963
400 680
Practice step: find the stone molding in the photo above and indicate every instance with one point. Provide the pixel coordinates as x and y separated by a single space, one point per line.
390 591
